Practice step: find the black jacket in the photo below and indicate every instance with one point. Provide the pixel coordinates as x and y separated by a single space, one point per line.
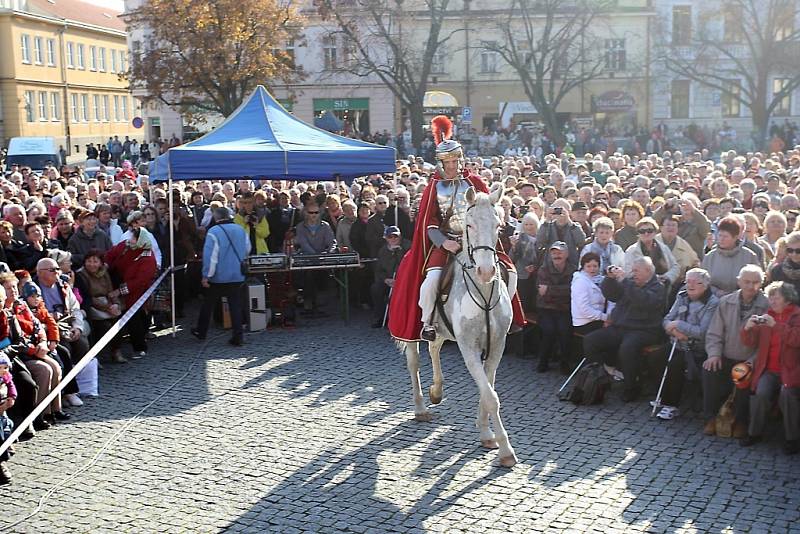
637 308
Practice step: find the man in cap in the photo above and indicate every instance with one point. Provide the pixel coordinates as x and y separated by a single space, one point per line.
389 256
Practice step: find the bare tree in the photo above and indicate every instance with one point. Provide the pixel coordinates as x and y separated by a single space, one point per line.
756 43
384 39
553 47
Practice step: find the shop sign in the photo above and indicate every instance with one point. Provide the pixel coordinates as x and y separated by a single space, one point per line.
441 111
340 104
613 101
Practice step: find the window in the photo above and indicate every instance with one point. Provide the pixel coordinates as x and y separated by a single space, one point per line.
92 58
51 52
101 60
731 103
524 52
732 24
113 60
124 101
55 106
70 55
438 60
25 42
96 107
681 25
81 57
105 108
75 115
488 58
290 57
679 105
42 106
116 108
615 55
784 106
785 22
85 107
29 106
38 53
123 60
329 52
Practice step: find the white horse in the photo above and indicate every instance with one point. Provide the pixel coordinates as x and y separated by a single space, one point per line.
479 310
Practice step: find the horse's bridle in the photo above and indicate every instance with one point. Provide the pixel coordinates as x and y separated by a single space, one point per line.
471 249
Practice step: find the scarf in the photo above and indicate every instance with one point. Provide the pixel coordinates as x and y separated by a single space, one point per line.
657 256
790 270
603 252
144 242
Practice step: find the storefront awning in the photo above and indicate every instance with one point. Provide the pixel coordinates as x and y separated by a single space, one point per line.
439 99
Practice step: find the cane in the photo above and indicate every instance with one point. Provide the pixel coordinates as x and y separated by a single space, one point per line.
386 312
572 375
664 378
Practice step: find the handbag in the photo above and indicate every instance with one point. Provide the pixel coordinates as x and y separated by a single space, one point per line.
242 263
723 422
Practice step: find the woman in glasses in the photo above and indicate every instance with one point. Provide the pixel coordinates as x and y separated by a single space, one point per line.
727 258
667 268
789 270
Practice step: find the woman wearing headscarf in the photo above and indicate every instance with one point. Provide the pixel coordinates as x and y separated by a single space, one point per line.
135 264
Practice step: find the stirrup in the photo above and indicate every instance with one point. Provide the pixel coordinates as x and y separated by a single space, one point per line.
428 333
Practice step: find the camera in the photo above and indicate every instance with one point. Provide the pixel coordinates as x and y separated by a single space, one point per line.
558 211
759 319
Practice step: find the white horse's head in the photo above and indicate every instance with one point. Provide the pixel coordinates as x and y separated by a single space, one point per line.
480 233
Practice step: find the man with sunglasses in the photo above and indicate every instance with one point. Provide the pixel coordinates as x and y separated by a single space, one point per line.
313 236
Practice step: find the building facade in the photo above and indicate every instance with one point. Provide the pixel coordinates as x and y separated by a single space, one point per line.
160 121
60 65
466 75
683 104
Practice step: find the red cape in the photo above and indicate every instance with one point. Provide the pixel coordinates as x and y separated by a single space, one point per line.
405 315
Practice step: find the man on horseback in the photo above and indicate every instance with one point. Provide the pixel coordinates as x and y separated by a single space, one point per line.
437 238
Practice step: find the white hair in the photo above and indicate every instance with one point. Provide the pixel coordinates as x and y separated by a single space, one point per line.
751 268
646 262
530 217
701 275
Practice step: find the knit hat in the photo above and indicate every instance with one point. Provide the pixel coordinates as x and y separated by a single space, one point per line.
30 290
5 359
6 273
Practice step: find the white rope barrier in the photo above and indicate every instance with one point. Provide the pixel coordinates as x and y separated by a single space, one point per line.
93 352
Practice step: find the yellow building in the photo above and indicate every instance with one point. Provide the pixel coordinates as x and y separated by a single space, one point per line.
60 62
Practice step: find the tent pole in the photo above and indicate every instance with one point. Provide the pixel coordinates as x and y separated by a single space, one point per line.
171 249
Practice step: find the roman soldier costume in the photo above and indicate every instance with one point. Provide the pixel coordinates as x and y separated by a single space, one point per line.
440 218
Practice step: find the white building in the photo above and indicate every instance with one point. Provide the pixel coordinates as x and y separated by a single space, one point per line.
679 101
160 121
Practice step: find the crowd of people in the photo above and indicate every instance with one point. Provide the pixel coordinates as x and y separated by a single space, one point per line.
623 252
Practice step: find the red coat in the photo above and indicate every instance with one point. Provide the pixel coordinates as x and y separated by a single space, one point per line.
136 267
405 315
789 333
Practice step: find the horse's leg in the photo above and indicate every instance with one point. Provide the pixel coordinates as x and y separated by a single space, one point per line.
421 412
436 391
490 404
507 456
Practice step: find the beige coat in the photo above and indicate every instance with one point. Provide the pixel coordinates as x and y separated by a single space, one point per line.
684 255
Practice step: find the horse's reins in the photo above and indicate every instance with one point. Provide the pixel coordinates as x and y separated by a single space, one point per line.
486 304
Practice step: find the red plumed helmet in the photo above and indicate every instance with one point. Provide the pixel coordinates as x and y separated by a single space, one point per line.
442 128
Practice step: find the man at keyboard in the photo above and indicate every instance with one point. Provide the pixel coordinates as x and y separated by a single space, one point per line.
313 236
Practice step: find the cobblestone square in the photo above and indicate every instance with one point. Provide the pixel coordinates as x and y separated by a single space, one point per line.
311 430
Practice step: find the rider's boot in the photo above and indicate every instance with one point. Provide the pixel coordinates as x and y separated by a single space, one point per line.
427 302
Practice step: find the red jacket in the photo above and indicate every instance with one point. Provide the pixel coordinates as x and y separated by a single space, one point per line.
789 333
405 315
48 322
136 267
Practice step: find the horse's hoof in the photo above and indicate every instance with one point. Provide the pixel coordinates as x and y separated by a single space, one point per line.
508 461
489 443
435 394
424 417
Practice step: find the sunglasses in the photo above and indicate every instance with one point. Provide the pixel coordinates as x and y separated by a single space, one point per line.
312 212
790 250
51 270
381 202
643 231
765 206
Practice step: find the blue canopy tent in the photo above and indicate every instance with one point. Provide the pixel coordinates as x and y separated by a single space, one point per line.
262 140
328 122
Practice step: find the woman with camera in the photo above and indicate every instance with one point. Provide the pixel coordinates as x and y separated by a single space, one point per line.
609 252
776 372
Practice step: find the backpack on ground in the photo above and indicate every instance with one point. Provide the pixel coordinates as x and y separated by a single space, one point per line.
589 385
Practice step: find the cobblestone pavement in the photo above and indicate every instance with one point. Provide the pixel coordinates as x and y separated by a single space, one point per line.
310 430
